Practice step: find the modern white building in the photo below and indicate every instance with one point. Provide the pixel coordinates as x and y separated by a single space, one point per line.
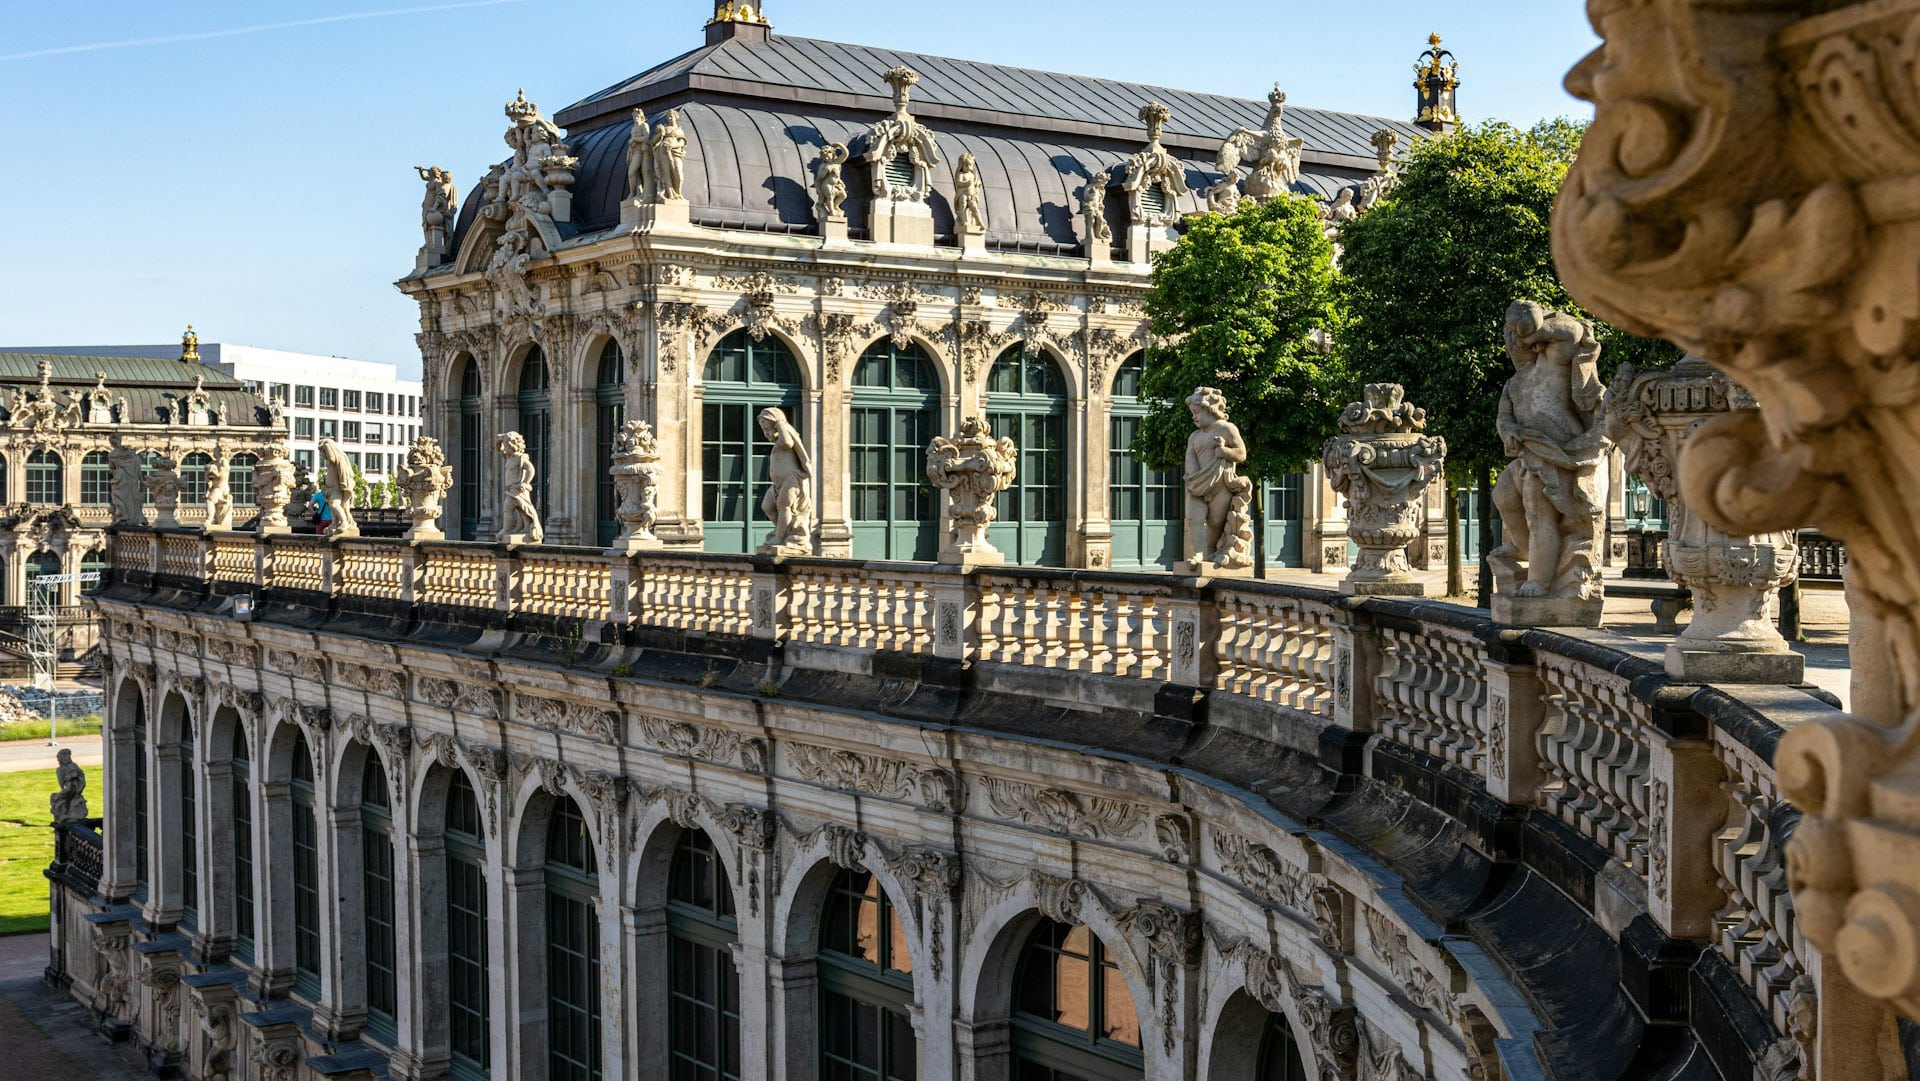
362 404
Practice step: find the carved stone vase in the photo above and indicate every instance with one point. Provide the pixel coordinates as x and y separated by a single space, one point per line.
1382 464
971 468
1733 578
636 478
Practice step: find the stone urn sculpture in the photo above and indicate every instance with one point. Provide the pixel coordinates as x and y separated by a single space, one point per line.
1733 579
163 487
1382 464
636 478
272 489
425 479
971 468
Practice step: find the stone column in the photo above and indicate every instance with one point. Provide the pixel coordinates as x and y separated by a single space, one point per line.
1734 579
164 902
273 949
342 1008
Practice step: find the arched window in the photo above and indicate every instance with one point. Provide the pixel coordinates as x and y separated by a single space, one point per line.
742 377
467 960
240 483
193 479
1027 402
1279 1058
242 844
43 479
1073 1015
189 833
703 986
1145 505
39 565
535 425
573 949
866 985
376 843
609 413
466 472
141 814
1286 520
94 562
306 874
96 479
896 400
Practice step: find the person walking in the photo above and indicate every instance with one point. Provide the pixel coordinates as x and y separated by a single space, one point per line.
322 512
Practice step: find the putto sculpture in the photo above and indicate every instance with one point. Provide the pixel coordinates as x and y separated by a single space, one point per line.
829 186
1551 498
273 490
636 479
69 803
438 209
425 478
125 486
519 516
1098 230
969 214
219 494
788 503
1382 464
163 489
971 468
337 481
1219 519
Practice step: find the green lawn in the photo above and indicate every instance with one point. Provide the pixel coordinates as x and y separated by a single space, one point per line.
26 846
69 726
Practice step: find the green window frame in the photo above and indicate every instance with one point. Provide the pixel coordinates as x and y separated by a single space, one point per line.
240 483
306 874
573 948
535 424
1279 1057
377 900
44 479
142 818
193 479
96 479
242 781
609 413
1286 521
703 986
1027 402
893 414
1074 1016
741 377
468 1021
1146 507
866 986
189 835
467 460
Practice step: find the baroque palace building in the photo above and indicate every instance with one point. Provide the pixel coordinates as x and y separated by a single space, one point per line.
877 243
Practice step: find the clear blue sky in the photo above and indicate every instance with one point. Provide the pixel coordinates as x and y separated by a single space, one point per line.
204 161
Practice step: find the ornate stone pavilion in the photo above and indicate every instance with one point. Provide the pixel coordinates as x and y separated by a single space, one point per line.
877 243
60 418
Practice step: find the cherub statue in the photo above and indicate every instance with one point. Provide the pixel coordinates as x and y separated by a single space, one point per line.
969 215
829 187
788 503
219 494
338 484
1098 231
1553 424
69 804
438 208
1219 526
520 517
669 148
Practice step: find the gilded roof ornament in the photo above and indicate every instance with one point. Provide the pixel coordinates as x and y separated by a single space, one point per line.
727 11
189 346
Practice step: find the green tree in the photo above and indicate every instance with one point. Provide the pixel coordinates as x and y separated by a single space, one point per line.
1426 277
1243 303
362 495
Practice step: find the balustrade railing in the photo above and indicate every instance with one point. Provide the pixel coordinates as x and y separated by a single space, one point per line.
1546 723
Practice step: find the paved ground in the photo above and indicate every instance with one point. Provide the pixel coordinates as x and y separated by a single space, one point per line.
44 1035
24 755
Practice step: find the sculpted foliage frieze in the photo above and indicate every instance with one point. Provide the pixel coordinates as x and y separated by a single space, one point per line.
872 775
556 715
708 744
1060 811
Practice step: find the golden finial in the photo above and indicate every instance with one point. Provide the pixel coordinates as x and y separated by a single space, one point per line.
189 346
1434 39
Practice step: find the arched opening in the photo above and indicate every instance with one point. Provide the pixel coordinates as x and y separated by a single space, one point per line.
467 450
241 759
189 830
1146 506
742 377
573 948
703 985
894 415
93 562
45 479
1286 521
609 413
866 985
1073 1017
96 479
193 479
1027 402
1252 1043
535 421
134 703
377 899
43 564
306 873
240 484
466 930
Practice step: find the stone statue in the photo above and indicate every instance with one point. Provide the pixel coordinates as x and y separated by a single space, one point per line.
969 215
438 209
669 147
636 477
337 481
971 468
1553 424
300 494
1339 212
1098 230
125 486
1219 519
829 187
219 495
901 136
519 516
1223 196
425 478
69 804
1274 154
788 503
272 490
163 488
1382 464
640 159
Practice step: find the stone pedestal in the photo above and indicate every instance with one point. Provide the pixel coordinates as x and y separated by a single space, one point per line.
1547 611
899 221
672 214
966 555
974 243
834 232
423 531
1208 569
630 545
515 540
1145 240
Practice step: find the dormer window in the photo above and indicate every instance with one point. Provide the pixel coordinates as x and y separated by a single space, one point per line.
900 172
1154 201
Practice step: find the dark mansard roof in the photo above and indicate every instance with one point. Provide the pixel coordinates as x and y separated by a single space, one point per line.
757 112
146 383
